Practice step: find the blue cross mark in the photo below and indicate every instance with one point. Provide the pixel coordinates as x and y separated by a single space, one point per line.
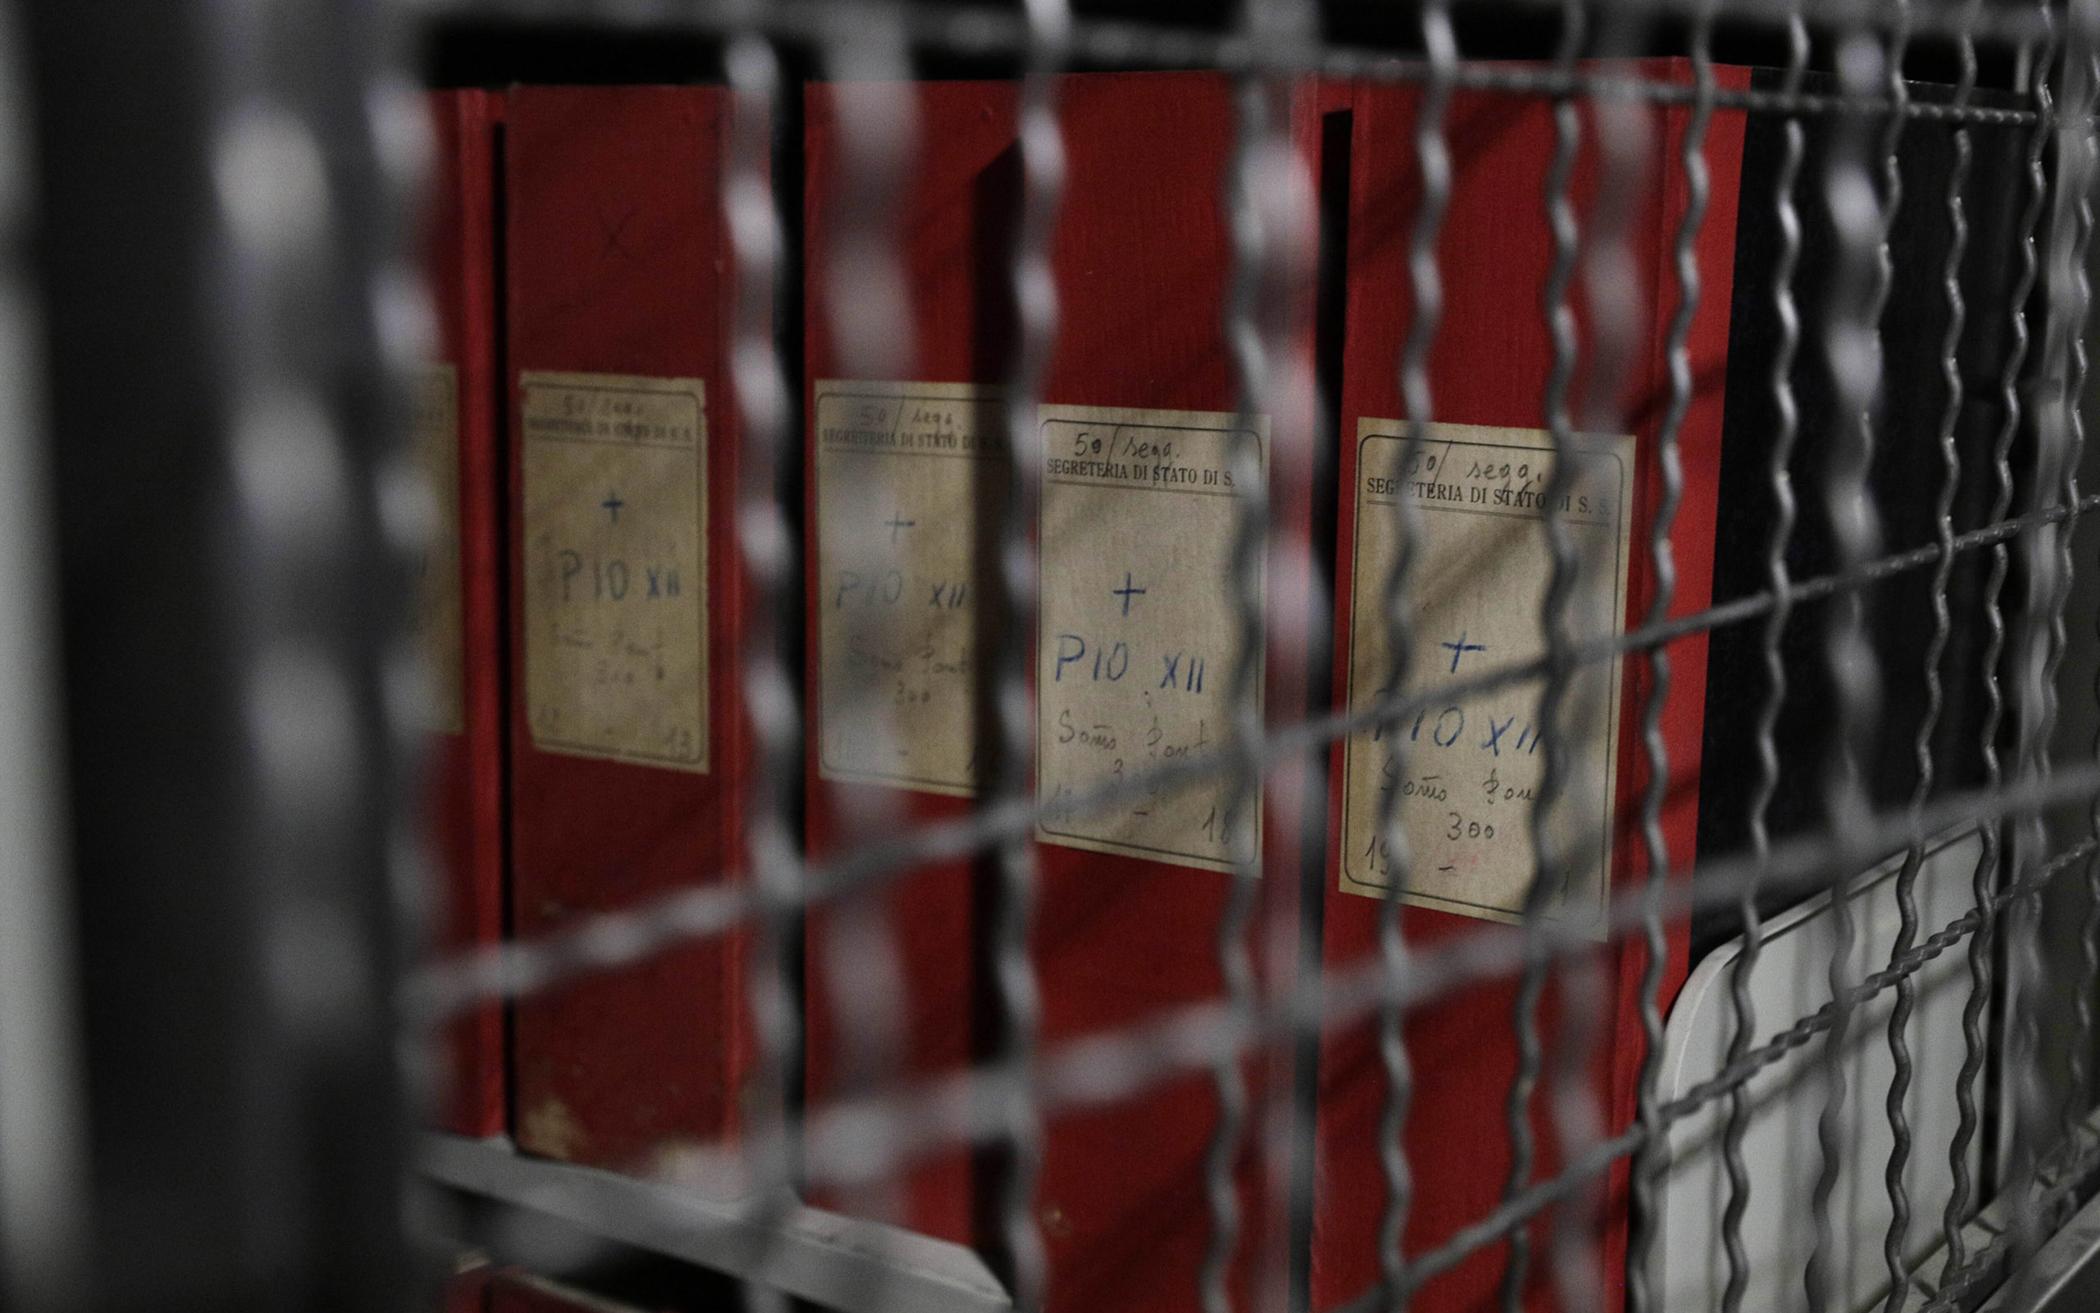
897 524
612 505
1460 648
1126 592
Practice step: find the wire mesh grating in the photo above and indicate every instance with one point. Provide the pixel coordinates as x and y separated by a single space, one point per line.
1867 108
1994 657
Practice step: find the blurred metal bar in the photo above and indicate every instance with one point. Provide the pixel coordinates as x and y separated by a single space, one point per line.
1988 863
1926 758
839 1262
1426 291
1853 361
2061 89
2078 1090
2071 291
1778 474
43 1202
1006 722
1260 200
767 543
1906 891
869 298
218 264
1698 185
1546 876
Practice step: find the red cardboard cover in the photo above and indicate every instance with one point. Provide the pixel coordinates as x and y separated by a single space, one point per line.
465 764
619 283
1142 258
1490 367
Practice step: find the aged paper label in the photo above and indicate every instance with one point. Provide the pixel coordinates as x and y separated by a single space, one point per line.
616 567
1139 631
901 469
1467 768
434 432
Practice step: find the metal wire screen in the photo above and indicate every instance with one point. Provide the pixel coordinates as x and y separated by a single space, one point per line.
1954 710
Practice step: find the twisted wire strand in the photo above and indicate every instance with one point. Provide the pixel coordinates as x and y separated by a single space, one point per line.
1610 274
1986 875
869 303
2040 649
2071 289
1545 880
1613 274
1039 140
771 565
1852 359
1900 1277
2078 1092
1894 1181
1692 160
2021 963
1742 1007
1255 339
1425 280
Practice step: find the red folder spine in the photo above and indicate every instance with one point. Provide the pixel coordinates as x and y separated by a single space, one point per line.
618 276
1489 367
1144 265
466 763
955 219
1143 260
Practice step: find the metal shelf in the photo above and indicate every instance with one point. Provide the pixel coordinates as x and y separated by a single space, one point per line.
836 1261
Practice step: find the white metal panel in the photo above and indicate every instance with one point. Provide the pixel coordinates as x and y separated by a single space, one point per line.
1790 980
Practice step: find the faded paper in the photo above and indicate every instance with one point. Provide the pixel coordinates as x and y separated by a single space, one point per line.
434 435
1467 767
900 469
616 567
1139 632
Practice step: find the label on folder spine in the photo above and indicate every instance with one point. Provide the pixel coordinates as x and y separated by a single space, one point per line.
615 533
1466 766
901 470
1140 632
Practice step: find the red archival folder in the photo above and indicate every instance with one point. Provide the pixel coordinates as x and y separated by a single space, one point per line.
628 744
461 605
1489 369
1142 259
